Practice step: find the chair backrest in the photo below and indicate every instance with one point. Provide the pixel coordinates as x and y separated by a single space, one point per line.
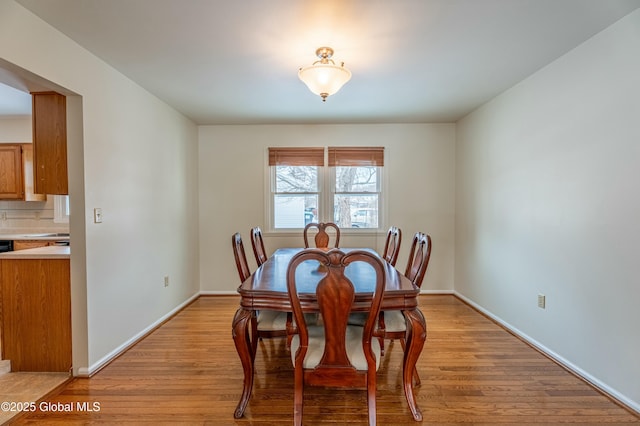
418 258
336 295
392 245
241 257
322 237
258 245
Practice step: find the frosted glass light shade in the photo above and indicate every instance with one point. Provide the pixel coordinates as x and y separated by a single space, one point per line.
324 79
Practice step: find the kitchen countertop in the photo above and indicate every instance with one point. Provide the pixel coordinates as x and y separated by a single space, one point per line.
45 236
47 252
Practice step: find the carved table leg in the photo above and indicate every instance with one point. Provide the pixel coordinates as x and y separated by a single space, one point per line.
240 331
416 336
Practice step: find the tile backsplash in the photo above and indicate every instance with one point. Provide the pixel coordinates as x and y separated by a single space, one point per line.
29 216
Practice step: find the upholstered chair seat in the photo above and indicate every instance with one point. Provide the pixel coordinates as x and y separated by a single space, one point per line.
355 351
269 320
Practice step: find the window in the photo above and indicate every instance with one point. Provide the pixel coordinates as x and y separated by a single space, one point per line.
356 185
295 185
354 196
61 209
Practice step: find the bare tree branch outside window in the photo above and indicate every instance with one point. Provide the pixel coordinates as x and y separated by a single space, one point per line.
355 196
351 184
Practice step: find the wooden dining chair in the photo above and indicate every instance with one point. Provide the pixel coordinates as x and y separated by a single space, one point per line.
390 254
333 353
321 238
392 245
393 322
258 245
265 323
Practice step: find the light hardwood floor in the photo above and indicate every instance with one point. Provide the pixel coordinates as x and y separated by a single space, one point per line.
472 371
16 388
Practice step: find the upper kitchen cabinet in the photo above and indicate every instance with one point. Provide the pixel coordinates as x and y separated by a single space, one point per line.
50 143
27 174
16 173
11 186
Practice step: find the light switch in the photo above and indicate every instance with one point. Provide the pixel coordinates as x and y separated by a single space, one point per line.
97 215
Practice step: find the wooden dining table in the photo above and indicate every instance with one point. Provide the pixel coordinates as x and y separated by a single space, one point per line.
266 288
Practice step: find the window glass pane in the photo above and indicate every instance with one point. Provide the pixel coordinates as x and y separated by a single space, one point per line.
294 211
356 179
356 211
61 209
296 179
356 197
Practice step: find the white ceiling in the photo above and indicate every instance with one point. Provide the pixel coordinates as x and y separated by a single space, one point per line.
236 62
14 102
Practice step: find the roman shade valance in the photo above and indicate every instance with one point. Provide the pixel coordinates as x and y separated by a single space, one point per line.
359 156
286 156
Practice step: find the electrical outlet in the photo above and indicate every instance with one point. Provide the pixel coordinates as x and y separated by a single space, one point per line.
166 281
541 301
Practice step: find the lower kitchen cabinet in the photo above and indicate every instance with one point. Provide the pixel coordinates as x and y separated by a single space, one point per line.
28 244
36 314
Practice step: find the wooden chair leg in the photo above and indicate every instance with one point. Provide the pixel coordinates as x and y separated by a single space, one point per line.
298 398
371 400
381 326
416 378
290 330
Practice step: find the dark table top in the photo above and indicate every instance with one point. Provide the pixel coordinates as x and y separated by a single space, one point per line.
266 288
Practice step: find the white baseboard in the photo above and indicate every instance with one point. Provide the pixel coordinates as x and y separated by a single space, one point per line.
219 293
235 293
451 292
633 405
87 372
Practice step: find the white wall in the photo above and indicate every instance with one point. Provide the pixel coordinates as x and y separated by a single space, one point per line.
134 157
420 192
547 202
15 129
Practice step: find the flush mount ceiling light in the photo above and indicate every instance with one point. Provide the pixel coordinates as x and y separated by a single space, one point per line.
324 77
